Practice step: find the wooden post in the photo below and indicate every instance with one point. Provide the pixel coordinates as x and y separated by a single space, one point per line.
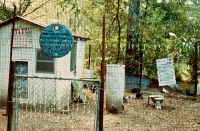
10 72
197 88
9 109
102 75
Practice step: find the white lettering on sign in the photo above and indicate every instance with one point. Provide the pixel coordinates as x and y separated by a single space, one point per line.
22 37
166 73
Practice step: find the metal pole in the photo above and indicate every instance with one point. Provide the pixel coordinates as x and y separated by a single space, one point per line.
9 109
141 64
89 57
195 66
97 110
102 75
16 109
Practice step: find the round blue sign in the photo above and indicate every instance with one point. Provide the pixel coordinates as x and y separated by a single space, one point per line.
56 40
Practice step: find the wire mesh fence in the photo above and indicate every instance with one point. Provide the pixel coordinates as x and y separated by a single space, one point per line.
49 104
176 114
43 106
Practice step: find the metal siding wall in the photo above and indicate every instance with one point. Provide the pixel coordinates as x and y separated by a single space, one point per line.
28 54
62 67
80 58
19 54
4 59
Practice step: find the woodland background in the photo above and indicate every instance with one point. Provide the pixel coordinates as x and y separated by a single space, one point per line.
137 31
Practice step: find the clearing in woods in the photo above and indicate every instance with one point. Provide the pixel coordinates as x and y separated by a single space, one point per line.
178 113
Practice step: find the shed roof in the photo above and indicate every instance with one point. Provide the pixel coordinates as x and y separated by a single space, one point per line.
38 24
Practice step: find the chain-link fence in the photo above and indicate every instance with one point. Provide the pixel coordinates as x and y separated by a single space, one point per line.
55 104
59 104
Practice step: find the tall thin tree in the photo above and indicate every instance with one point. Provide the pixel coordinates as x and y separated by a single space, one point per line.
132 49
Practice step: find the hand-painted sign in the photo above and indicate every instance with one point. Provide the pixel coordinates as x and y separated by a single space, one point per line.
22 37
56 40
166 73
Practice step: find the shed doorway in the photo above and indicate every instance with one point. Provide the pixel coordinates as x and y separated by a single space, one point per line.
21 68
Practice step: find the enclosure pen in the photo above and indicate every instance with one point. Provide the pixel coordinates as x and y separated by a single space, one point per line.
99 65
43 114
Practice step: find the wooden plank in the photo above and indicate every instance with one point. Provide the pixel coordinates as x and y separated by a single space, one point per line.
79 91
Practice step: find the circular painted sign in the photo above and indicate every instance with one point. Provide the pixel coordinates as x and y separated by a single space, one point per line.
56 40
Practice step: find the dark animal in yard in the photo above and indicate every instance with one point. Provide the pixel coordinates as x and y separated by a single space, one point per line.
189 92
93 88
135 90
122 107
85 86
78 100
139 95
125 98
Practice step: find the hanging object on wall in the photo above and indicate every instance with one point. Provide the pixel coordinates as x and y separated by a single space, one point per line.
56 40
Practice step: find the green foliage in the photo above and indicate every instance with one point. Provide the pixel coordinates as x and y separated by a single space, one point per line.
5 12
156 22
178 72
163 18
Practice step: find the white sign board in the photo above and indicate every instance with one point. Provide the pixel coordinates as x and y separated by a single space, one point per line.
22 37
166 73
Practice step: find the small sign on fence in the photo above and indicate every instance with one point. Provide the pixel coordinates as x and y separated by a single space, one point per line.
166 73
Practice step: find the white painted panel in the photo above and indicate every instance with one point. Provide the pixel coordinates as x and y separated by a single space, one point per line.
80 58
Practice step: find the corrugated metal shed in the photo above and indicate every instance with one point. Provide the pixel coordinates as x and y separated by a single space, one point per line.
76 36
26 52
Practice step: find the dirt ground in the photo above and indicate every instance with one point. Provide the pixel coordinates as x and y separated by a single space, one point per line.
178 113
3 119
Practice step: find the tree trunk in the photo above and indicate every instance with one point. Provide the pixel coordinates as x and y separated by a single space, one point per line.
132 61
119 32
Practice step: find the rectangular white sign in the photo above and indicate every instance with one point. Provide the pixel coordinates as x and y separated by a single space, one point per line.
22 37
166 73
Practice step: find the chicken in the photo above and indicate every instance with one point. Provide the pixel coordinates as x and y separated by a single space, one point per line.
93 88
85 86
139 95
135 90
125 98
122 107
189 92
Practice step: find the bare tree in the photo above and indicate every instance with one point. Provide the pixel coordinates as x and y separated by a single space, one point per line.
6 11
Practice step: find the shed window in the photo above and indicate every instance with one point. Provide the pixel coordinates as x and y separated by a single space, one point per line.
73 57
44 63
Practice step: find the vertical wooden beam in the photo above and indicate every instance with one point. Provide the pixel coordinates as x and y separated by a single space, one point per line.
10 98
7 103
9 109
102 74
195 71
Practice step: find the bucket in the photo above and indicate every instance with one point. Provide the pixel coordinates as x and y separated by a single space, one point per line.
115 85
